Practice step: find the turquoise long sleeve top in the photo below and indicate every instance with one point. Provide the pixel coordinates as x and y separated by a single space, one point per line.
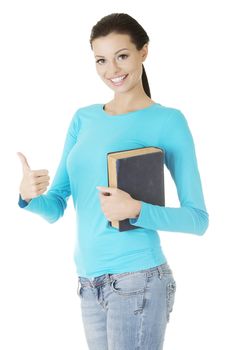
91 134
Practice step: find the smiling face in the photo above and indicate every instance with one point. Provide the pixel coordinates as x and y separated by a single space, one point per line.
118 62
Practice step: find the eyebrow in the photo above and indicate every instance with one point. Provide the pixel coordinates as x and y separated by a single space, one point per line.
115 52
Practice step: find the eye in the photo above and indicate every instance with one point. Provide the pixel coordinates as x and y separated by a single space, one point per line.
123 55
101 59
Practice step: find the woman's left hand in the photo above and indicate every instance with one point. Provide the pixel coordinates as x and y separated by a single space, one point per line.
118 204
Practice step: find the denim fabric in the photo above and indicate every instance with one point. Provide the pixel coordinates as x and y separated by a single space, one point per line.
127 311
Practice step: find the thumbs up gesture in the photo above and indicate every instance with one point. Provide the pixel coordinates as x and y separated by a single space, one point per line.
34 182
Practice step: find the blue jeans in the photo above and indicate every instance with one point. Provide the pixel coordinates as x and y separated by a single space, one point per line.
127 311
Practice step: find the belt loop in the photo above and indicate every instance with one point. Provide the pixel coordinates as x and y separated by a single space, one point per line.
159 272
149 273
92 282
78 287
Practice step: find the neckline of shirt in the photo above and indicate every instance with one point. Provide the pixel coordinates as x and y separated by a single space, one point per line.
101 105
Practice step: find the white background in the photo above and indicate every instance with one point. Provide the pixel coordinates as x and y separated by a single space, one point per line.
47 72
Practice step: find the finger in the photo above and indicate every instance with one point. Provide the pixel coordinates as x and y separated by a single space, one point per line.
105 189
41 172
38 181
43 178
41 187
101 194
41 190
102 188
24 161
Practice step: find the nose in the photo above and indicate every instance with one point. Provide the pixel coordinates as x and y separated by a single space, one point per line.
113 69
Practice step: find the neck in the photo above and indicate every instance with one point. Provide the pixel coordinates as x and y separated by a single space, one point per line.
132 99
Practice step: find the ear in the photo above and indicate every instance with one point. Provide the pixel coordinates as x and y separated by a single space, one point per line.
144 52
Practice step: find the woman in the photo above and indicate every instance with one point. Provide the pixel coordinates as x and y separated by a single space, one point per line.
125 284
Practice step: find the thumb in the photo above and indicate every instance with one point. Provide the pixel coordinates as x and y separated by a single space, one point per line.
24 162
106 189
103 188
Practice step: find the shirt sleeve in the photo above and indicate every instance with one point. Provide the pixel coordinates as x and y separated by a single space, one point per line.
180 159
51 206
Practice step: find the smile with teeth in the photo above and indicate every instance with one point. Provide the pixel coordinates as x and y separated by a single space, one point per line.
118 80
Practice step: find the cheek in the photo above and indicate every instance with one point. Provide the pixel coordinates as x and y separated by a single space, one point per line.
99 70
137 72
133 68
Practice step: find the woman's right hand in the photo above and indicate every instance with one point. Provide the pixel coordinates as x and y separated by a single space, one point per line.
34 182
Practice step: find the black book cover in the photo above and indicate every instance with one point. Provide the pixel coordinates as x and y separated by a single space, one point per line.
142 176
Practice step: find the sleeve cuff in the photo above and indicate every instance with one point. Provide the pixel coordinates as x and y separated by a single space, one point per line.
133 220
137 221
147 216
21 202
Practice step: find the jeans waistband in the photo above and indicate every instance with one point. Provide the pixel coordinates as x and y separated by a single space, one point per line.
106 278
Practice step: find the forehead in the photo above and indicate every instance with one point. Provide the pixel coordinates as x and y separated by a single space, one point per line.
111 43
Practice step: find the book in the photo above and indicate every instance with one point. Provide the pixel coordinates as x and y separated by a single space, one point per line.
139 172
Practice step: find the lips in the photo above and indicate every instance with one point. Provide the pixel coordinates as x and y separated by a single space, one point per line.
119 76
118 80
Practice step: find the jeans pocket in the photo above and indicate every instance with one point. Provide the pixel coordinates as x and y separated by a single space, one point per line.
131 284
170 291
79 290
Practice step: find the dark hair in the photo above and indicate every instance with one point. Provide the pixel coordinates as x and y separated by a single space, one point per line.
122 23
